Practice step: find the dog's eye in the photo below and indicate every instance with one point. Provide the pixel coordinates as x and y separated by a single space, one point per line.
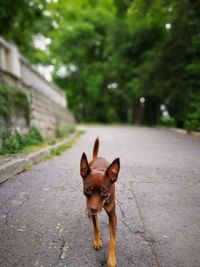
87 192
104 192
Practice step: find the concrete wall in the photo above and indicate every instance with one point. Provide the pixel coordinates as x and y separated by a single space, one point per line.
48 106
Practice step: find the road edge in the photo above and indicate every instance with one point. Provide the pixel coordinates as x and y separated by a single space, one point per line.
17 165
185 132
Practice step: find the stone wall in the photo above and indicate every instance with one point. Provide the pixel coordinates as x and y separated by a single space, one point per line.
48 105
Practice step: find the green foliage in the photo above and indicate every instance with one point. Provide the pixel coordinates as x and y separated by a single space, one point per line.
115 52
11 99
27 167
33 137
192 122
64 130
12 143
18 21
58 151
167 121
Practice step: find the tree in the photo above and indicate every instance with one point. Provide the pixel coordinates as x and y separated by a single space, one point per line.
116 60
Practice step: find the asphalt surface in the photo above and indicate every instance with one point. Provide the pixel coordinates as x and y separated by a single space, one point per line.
42 211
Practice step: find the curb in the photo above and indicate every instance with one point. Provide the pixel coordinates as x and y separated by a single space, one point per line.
16 166
182 131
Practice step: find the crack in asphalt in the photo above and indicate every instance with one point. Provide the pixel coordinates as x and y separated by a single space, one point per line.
62 250
20 204
6 219
142 234
124 220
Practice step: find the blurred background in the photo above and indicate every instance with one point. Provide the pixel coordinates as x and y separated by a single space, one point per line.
118 61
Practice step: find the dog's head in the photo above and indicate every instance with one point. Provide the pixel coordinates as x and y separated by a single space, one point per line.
98 185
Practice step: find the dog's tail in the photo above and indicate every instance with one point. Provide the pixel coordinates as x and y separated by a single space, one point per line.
96 148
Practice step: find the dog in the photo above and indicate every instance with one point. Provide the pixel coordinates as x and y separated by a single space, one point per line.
99 179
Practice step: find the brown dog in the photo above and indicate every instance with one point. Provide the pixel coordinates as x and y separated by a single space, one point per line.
99 179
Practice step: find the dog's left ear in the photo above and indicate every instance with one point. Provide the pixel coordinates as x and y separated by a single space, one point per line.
113 170
84 166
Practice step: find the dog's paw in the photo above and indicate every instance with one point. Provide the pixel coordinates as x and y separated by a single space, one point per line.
97 244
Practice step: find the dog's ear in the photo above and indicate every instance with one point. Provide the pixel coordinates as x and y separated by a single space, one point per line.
84 166
113 170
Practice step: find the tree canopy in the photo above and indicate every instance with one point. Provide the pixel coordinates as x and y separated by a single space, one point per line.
118 61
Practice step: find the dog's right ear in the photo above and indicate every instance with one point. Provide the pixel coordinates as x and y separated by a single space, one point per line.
84 166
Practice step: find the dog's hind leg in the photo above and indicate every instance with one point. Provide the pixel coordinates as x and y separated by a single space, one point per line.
97 237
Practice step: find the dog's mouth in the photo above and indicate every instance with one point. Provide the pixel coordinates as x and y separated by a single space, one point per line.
90 213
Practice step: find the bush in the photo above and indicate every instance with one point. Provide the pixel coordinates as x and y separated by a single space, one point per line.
12 143
64 130
167 121
192 122
33 137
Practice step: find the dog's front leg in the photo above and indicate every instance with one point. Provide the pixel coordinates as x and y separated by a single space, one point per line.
112 245
97 237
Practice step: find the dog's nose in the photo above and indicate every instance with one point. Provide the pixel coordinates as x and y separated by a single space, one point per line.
93 210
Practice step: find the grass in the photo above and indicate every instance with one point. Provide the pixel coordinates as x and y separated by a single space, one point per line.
64 130
53 152
27 167
58 151
14 143
29 149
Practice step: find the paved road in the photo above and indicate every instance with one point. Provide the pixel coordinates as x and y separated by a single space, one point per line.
42 220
